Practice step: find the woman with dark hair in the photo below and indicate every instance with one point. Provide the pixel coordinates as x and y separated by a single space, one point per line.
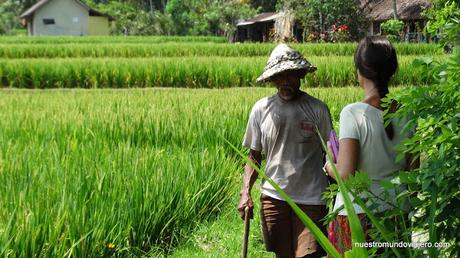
365 143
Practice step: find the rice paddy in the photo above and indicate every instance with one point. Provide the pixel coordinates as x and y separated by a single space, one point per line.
143 48
182 72
184 62
129 173
89 173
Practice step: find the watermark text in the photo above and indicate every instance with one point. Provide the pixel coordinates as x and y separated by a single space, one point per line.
403 245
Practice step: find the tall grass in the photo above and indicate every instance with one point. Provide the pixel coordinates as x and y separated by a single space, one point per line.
94 173
191 72
143 48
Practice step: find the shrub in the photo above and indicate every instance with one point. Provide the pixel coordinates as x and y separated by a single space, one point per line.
435 111
393 29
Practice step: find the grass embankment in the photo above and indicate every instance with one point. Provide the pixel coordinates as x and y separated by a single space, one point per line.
100 172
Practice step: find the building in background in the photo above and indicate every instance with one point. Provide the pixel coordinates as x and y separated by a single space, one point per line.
65 17
271 26
408 11
257 29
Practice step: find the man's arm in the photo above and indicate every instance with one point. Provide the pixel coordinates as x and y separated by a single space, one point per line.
249 178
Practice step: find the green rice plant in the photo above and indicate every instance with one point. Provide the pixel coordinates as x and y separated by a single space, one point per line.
175 49
119 173
193 72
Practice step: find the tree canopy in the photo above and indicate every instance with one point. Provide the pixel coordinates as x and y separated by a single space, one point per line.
155 17
330 20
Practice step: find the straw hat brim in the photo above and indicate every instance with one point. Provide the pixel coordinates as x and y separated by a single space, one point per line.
300 64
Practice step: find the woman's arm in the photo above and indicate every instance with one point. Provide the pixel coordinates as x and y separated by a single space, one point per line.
347 160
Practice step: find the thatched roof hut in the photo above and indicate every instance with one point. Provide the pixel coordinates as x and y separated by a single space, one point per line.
409 11
256 29
282 25
382 10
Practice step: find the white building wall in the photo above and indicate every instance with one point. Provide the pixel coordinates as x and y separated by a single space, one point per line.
70 18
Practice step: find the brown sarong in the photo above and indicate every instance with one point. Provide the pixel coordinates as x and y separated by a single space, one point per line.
284 233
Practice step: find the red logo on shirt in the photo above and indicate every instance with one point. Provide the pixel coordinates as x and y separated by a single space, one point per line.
307 126
307 131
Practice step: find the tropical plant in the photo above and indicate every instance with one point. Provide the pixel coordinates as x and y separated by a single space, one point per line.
317 16
339 33
393 29
444 21
435 112
9 20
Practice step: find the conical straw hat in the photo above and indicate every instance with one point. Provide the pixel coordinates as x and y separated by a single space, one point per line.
284 58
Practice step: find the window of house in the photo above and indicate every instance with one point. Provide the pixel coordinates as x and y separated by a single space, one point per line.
376 28
48 21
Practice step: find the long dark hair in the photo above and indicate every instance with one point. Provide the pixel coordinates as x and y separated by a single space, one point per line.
375 59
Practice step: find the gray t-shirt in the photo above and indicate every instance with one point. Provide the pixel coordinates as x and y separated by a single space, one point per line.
285 132
377 153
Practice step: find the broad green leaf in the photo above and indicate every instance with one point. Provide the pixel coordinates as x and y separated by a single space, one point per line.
357 234
320 237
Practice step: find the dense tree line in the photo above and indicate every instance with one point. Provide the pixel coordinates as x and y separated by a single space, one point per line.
175 17
322 19
156 17
330 20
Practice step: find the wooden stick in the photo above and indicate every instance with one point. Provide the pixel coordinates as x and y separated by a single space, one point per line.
246 232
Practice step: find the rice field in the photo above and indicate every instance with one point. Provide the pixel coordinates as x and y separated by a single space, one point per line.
184 62
130 172
134 49
184 72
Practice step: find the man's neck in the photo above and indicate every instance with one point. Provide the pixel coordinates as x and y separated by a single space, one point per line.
292 97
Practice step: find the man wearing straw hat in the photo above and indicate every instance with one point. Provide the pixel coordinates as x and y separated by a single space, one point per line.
282 127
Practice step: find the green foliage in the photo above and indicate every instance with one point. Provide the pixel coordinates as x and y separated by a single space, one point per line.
357 233
444 21
96 174
118 40
434 187
106 173
393 29
215 17
9 17
179 11
435 112
131 19
319 16
264 5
